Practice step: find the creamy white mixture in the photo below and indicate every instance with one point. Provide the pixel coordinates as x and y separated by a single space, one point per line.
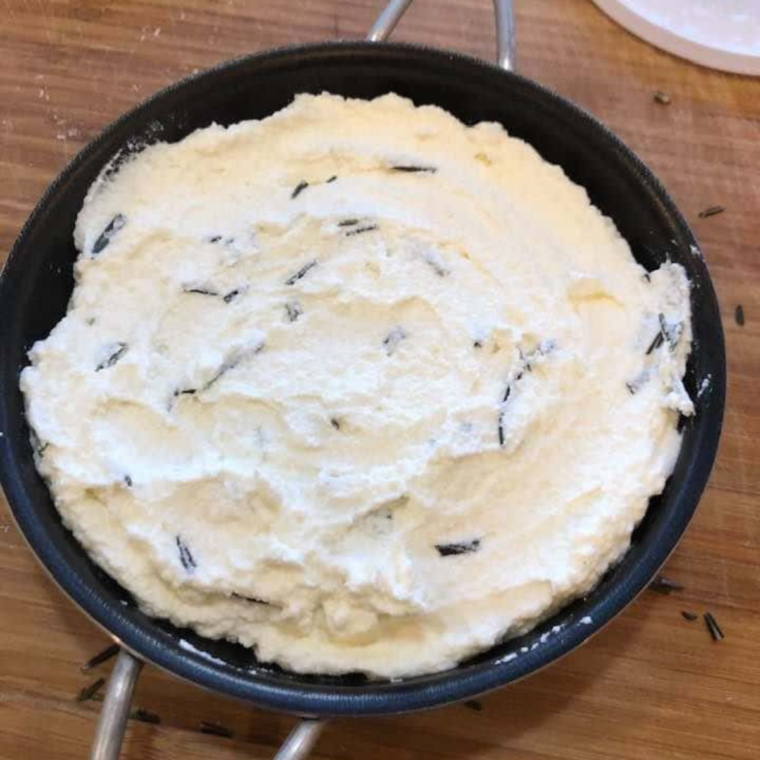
356 385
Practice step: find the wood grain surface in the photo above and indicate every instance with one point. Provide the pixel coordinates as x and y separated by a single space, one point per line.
652 684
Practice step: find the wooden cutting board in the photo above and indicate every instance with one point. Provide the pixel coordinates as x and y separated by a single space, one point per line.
652 684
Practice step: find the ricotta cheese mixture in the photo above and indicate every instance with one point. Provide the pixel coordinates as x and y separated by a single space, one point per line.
356 385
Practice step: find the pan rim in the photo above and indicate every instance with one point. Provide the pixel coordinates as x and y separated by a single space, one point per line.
407 695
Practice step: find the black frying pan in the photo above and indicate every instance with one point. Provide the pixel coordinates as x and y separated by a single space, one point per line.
37 281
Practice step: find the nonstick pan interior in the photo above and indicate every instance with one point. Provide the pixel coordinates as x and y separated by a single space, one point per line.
37 283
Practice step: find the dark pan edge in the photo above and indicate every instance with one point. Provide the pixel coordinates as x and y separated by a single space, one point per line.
426 691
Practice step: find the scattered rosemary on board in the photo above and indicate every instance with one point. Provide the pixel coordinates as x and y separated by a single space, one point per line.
88 692
100 657
216 729
712 626
663 585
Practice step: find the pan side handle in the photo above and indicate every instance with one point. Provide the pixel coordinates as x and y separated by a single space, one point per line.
112 722
505 28
301 740
505 34
387 20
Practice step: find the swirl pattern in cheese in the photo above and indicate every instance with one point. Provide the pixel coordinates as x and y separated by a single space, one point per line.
356 385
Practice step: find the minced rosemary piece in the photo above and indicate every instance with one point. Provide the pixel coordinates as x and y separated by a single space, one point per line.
712 625
101 657
293 310
117 353
656 343
185 555
393 338
409 169
299 188
662 98
111 229
461 547
662 585
294 278
216 729
436 264
200 291
360 230
252 599
88 692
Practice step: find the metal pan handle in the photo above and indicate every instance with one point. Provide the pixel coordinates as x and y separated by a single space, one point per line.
505 28
112 723
301 740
